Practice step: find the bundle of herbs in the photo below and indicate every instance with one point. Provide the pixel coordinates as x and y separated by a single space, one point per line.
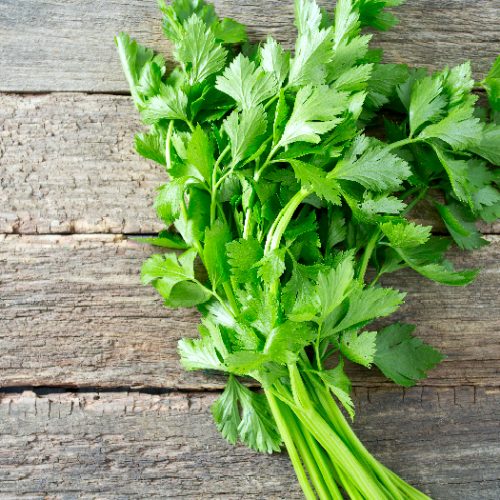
278 188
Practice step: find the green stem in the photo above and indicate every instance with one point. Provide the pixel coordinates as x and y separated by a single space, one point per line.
168 154
421 195
284 218
401 143
317 345
307 458
324 463
231 298
214 186
370 248
350 438
292 450
343 456
267 162
329 440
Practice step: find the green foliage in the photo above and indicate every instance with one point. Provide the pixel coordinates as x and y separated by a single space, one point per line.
279 191
402 357
244 414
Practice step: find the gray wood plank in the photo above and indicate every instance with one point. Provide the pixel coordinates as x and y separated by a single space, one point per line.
73 313
48 45
136 445
67 165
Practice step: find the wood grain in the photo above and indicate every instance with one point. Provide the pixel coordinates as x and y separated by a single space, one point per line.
48 45
136 445
73 313
68 165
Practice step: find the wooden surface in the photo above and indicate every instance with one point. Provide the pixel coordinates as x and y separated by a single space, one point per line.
139 445
70 43
78 331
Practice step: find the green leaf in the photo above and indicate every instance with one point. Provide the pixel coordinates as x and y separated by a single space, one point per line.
359 348
457 171
300 295
334 285
216 238
229 31
151 77
383 83
337 230
198 51
248 84
272 265
458 129
199 354
315 178
372 206
192 223
244 130
346 54
179 11
169 200
133 58
313 47
492 85
243 255
346 22
461 224
173 278
372 13
365 305
354 79
275 60
168 267
372 165
427 102
164 240
169 104
184 294
338 382
257 428
489 145
315 112
428 260
245 362
458 83
406 235
152 145
287 340
403 358
200 153
226 412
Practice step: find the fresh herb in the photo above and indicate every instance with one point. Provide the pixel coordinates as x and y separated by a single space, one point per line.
279 187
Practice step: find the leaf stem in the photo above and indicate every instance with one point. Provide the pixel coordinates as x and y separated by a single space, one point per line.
370 248
421 195
401 143
214 185
290 446
168 154
283 219
311 465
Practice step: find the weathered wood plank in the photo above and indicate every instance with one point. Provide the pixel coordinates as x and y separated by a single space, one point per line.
123 445
67 165
72 312
67 45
